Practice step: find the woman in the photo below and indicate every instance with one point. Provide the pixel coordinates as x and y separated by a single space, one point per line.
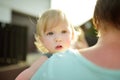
99 62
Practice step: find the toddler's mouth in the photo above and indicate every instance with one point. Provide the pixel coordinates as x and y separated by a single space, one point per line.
59 47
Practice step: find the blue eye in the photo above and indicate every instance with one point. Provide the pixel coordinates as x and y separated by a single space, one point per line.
64 31
50 33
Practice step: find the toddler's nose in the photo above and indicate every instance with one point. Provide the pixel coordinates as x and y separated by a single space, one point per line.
58 40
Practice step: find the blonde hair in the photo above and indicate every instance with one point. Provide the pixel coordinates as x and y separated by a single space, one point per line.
48 20
79 34
79 38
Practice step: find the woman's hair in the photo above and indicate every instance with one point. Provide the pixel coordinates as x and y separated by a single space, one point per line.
107 11
48 20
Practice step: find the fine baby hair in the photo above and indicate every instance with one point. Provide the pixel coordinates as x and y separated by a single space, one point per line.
79 39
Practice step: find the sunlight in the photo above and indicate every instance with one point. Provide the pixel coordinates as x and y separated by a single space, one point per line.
78 11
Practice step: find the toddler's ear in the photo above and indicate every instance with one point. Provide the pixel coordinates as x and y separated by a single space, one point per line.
40 45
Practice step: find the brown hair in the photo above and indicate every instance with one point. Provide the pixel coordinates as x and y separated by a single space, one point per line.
107 11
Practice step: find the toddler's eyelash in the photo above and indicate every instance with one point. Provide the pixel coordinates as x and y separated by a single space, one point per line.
50 33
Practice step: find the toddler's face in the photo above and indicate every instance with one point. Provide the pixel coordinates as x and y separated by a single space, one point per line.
58 38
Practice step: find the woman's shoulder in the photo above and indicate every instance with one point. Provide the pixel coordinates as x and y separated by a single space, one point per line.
89 51
90 54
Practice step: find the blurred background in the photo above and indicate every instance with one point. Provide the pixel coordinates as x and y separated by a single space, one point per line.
17 27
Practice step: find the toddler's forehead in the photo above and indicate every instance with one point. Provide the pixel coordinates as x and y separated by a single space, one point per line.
55 24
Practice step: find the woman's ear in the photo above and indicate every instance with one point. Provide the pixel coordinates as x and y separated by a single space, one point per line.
96 26
95 23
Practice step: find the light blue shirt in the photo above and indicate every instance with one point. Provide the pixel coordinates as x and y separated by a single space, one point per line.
71 65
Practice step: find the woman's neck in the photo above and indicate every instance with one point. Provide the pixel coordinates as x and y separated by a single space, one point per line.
110 38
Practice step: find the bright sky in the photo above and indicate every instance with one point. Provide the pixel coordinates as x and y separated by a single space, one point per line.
78 11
